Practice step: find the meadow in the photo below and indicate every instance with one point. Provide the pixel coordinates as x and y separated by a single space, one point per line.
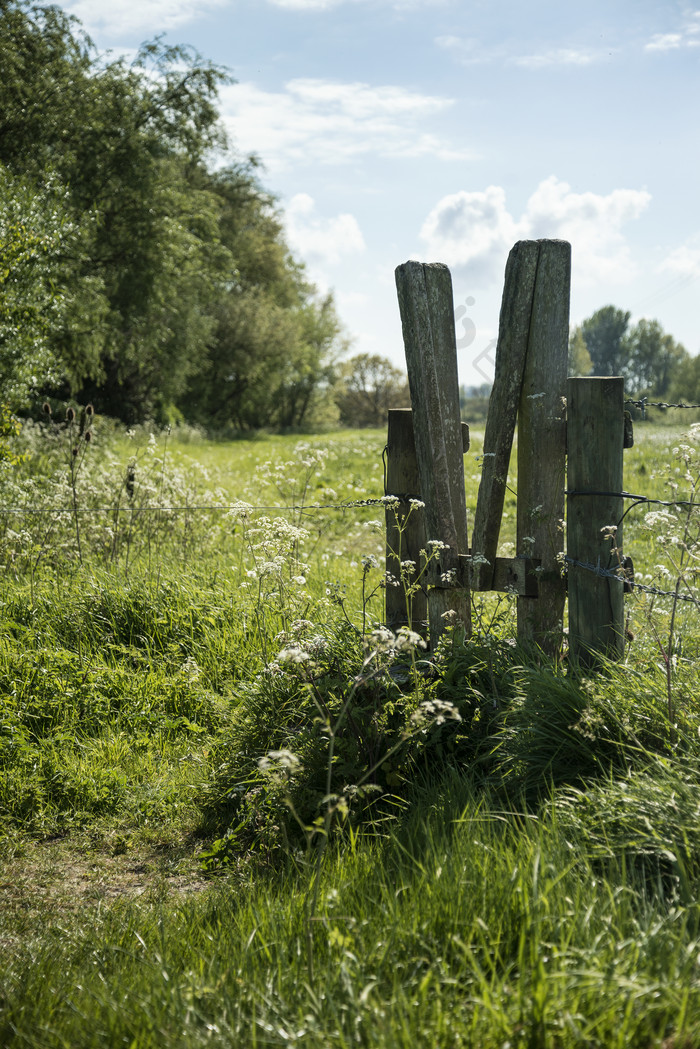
235 811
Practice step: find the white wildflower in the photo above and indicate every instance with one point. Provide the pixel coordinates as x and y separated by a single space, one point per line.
408 640
382 639
293 654
434 712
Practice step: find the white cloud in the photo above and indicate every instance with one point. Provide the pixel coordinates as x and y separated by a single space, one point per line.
561 56
688 35
470 232
320 240
119 18
470 51
664 42
473 231
684 260
307 5
327 122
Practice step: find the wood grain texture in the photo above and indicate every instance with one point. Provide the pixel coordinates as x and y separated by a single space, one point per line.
511 352
542 446
427 319
405 526
595 435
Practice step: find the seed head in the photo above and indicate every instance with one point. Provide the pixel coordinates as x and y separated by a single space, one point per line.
70 415
89 410
46 408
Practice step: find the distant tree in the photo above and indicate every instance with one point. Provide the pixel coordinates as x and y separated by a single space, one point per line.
653 359
646 357
579 358
604 335
368 386
269 359
685 387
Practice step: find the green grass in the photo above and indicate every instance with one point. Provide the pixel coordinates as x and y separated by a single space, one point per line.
526 876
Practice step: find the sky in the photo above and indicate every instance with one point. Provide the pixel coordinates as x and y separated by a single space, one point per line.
445 131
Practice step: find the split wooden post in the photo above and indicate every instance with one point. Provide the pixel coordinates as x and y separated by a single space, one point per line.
542 447
511 351
405 526
427 318
595 437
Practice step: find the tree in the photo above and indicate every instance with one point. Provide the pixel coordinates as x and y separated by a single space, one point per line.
604 335
145 282
644 355
126 142
38 294
685 387
579 358
653 359
269 360
369 385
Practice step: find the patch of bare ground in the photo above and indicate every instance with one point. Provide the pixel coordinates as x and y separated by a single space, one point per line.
57 877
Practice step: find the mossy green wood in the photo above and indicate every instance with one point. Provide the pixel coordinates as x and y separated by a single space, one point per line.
542 447
427 318
405 525
595 436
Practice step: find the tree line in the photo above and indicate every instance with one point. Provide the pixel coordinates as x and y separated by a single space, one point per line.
137 271
652 363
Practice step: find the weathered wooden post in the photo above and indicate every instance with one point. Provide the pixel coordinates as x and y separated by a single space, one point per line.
427 318
595 437
542 447
405 526
511 351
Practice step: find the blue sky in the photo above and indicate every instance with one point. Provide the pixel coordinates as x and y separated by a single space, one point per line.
446 130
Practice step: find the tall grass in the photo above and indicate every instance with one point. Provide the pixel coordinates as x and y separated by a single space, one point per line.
524 875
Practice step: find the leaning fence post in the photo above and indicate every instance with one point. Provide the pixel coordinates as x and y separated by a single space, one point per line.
427 318
542 447
595 437
511 350
405 526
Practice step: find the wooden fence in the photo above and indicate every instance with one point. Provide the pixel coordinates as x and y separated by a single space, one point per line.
559 419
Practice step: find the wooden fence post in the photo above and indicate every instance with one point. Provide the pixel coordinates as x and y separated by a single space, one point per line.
542 447
595 436
405 527
513 333
427 318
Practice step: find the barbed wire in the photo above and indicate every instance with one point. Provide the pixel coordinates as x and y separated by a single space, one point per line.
222 507
643 403
619 575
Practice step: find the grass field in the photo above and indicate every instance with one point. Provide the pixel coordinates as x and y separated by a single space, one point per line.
234 814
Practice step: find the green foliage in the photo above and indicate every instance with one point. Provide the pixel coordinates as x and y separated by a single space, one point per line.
655 359
604 335
649 359
10 427
368 386
526 873
580 362
131 275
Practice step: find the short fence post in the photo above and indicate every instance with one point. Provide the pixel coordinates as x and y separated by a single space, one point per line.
427 318
595 438
542 447
405 526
